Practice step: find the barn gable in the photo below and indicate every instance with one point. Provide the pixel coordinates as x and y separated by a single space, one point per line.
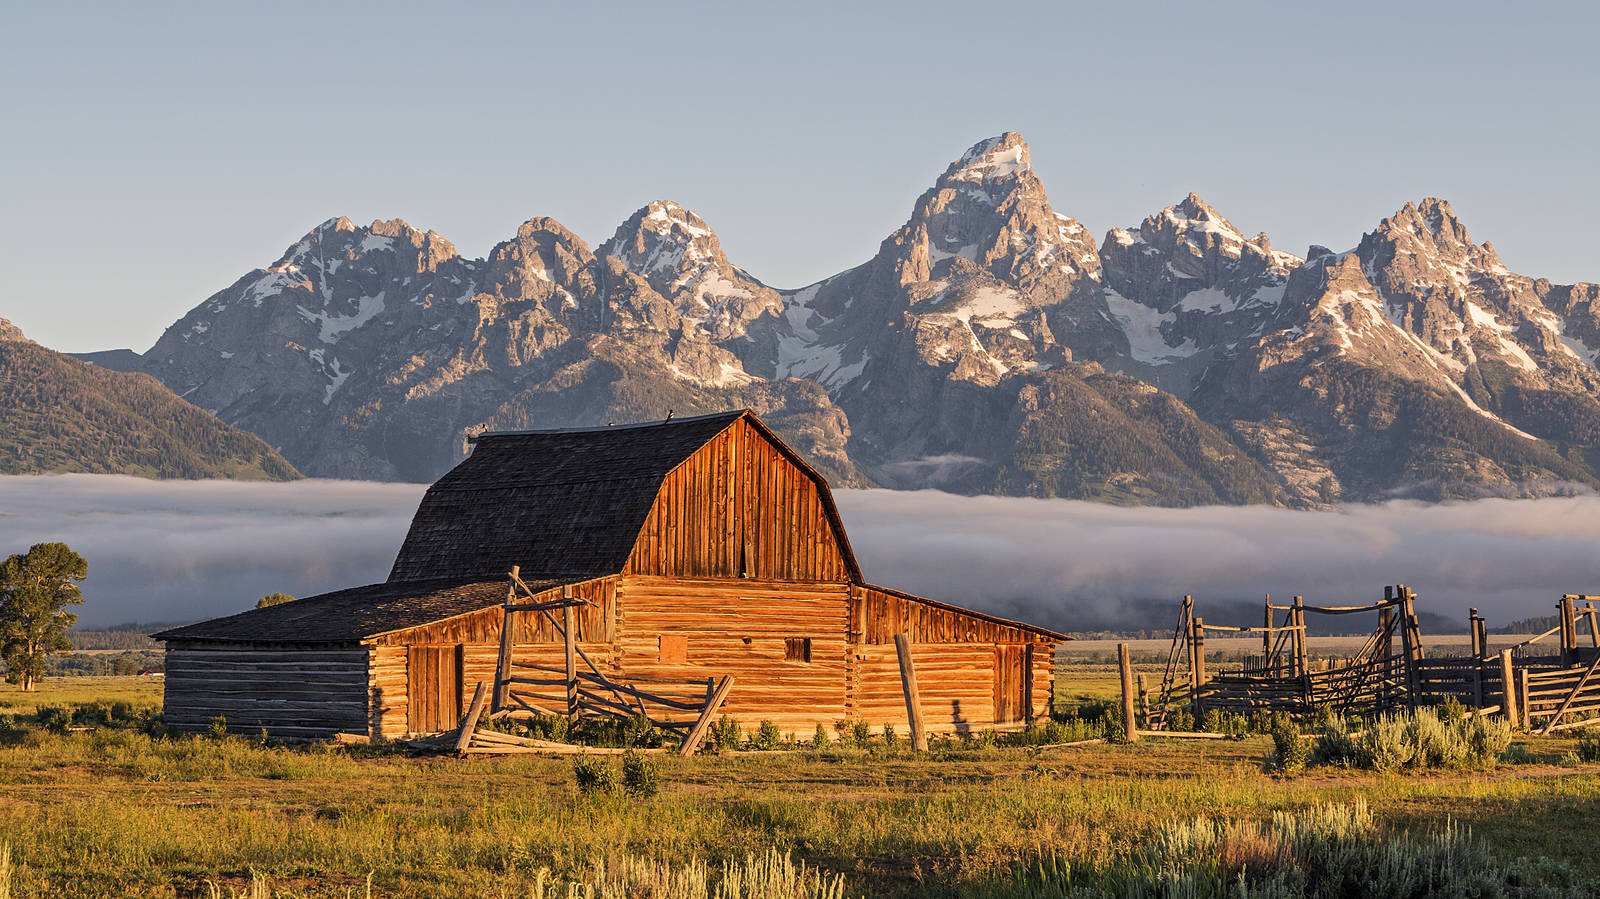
744 505
598 501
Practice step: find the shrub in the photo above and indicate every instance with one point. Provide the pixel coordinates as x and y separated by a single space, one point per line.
594 775
1451 711
639 731
889 738
1288 748
860 734
767 736
55 718
1336 747
725 733
1385 746
819 739
639 776
1588 748
1181 721
1487 737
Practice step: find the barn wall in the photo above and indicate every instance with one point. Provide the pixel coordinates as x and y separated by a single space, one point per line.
596 621
742 627
877 615
739 507
476 638
292 693
961 661
954 680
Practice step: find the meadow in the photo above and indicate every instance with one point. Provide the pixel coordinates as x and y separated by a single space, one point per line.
113 811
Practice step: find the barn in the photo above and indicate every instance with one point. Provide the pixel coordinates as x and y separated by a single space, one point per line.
679 552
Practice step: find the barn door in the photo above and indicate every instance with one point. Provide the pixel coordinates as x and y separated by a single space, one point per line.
433 688
1010 684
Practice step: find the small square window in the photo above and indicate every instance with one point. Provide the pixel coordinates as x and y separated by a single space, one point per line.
674 649
797 649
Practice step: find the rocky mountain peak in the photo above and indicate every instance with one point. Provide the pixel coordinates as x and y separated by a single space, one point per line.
543 253
8 331
679 254
995 159
665 244
1429 226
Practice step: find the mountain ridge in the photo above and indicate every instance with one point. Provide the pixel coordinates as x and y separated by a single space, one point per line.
991 344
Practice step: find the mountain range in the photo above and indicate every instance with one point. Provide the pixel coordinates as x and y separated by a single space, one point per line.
991 345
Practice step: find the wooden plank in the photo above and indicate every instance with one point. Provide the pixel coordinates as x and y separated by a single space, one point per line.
1587 673
908 681
502 683
469 721
698 732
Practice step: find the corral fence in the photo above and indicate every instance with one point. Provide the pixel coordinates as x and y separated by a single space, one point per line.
1546 682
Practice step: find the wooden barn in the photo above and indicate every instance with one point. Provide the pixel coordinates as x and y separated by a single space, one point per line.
681 551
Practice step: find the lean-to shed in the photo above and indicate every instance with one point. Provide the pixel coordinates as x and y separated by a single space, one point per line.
700 547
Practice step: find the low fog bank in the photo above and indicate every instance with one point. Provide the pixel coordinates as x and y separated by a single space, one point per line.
178 551
1081 566
183 550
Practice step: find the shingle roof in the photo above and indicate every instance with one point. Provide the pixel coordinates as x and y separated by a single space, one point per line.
349 616
556 503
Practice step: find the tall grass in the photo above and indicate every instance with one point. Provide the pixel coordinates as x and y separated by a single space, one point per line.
1332 850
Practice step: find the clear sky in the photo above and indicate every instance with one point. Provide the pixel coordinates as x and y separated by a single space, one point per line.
153 153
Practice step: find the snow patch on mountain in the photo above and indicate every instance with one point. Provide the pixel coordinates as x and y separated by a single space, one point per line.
1142 326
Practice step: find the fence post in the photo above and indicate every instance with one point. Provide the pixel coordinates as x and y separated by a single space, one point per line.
1594 629
1144 704
1130 722
1508 689
570 635
1198 641
1569 631
502 668
1266 635
1523 704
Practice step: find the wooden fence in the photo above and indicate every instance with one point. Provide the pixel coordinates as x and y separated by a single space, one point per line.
1539 685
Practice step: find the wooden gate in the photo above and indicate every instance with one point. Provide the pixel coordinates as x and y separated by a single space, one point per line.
433 688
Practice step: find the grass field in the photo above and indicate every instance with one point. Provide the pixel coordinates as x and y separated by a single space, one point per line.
117 813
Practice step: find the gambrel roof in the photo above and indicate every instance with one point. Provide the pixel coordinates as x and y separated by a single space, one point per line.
566 503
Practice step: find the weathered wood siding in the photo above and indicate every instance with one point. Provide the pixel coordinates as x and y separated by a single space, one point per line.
955 680
739 507
742 628
972 672
292 693
877 615
596 621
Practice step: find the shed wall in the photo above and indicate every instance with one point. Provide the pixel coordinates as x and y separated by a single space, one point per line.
292 693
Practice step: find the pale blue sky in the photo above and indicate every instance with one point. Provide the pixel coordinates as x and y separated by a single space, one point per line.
153 153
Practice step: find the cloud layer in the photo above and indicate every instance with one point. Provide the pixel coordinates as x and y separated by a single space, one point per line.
183 550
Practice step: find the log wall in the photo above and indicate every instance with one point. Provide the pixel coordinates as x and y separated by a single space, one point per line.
596 621
742 628
955 680
294 693
739 507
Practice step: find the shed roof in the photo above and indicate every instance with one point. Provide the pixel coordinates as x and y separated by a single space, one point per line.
564 503
353 615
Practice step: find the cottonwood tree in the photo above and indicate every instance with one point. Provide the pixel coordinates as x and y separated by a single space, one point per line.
35 589
273 599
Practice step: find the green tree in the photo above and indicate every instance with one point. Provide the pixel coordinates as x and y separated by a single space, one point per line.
35 589
273 599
